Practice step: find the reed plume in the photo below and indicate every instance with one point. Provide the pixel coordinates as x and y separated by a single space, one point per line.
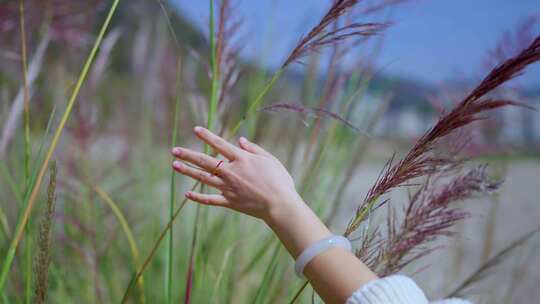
321 36
308 111
512 42
43 260
68 21
382 5
419 161
430 213
227 49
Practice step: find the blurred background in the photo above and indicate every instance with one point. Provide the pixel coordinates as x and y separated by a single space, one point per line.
352 108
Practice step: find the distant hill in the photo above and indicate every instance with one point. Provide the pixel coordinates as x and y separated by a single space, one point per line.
406 92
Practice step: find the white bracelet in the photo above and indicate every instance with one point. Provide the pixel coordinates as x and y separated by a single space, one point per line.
316 248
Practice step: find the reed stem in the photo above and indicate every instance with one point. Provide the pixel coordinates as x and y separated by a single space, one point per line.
172 191
27 149
212 113
253 105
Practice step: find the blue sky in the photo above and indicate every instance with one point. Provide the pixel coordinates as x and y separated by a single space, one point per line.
431 41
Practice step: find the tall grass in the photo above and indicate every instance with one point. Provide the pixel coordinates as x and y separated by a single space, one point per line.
172 190
34 189
114 179
212 117
316 39
420 162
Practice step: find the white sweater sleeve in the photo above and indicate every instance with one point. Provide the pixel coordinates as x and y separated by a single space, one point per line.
396 289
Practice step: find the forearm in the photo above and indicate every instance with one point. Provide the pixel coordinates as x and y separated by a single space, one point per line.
335 273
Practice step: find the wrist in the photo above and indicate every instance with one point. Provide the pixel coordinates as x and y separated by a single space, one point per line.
296 225
284 206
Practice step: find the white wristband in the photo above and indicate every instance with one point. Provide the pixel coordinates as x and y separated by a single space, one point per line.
316 248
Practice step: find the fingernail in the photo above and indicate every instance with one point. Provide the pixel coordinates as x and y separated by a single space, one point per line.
243 140
198 129
176 151
188 194
177 164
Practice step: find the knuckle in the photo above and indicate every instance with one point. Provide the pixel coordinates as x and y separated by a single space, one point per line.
252 160
226 174
240 158
243 156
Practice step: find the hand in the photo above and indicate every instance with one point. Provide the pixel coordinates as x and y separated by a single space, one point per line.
251 180
254 182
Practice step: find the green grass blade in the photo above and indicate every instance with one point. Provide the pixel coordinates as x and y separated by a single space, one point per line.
299 292
169 24
127 231
27 154
4 224
154 249
212 110
26 97
269 273
8 259
220 274
192 261
40 150
37 157
172 194
212 113
253 105
258 256
11 182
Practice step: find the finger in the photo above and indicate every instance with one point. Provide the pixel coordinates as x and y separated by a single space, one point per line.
252 147
199 159
219 144
200 175
208 199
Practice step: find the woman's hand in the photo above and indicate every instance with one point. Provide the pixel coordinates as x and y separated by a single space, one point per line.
251 180
254 182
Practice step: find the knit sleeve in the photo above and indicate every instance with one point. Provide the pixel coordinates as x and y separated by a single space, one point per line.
396 289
